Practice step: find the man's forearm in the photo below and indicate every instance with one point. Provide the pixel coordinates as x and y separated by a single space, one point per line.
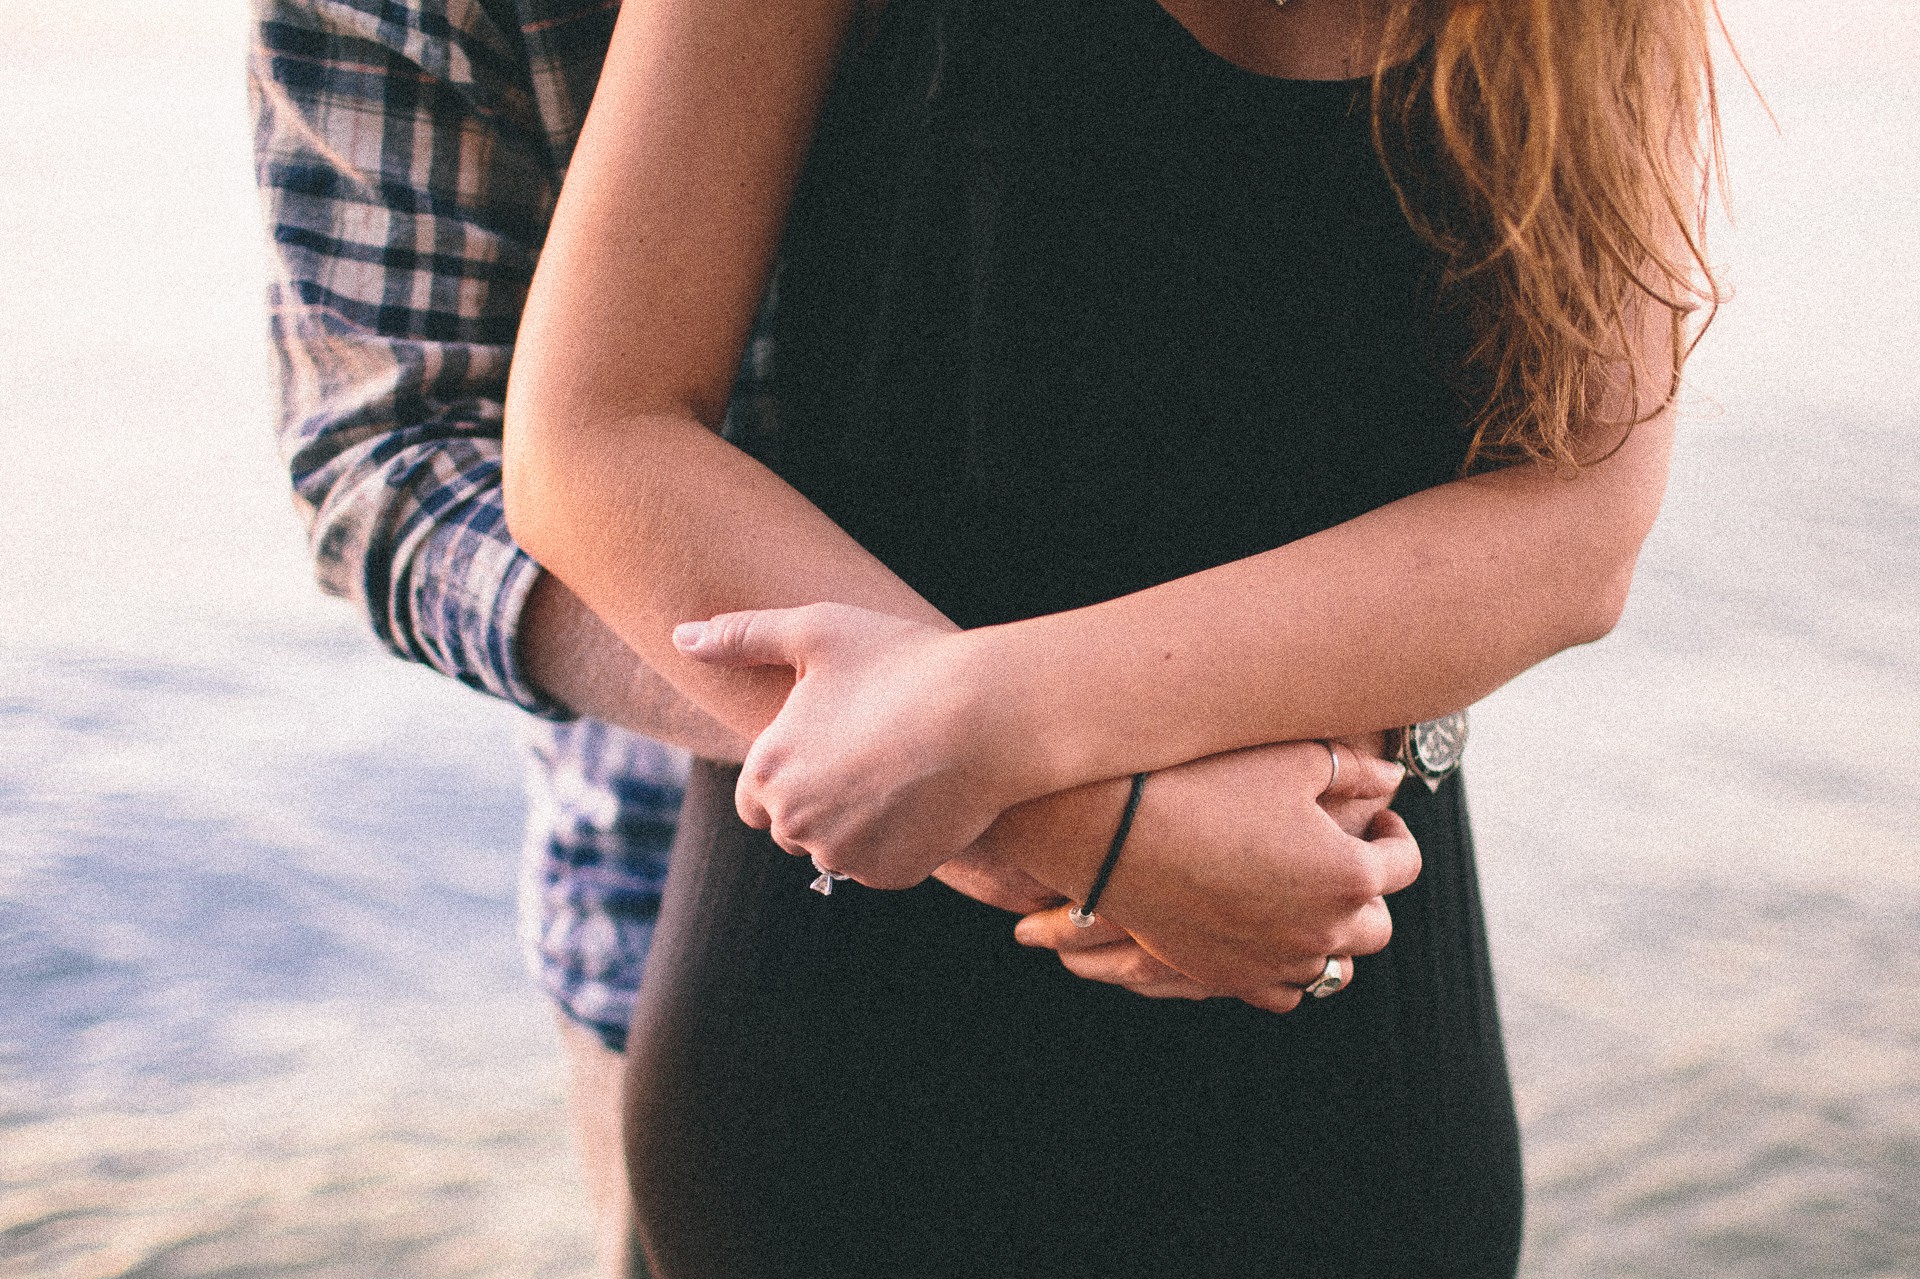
574 658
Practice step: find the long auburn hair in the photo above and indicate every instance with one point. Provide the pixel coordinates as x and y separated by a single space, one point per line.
1578 141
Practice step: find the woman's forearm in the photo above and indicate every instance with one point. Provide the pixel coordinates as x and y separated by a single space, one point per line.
1410 611
658 522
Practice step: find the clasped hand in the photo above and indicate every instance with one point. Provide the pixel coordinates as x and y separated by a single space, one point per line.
887 762
876 764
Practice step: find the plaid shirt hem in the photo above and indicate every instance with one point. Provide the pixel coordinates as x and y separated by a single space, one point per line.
408 154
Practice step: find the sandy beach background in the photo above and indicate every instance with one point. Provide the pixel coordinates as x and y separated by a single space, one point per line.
261 1012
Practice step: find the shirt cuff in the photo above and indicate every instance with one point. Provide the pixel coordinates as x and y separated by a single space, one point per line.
468 595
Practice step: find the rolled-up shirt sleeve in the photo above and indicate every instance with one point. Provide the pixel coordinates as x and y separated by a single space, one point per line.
407 181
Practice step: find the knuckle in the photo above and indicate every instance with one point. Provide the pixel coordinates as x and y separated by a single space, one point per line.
796 826
813 624
1374 932
732 630
1354 879
757 774
825 614
1408 873
1316 939
805 623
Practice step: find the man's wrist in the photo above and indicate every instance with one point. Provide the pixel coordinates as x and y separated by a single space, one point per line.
1431 749
1059 839
576 659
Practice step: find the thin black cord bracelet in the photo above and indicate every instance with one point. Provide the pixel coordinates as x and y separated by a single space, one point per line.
1083 916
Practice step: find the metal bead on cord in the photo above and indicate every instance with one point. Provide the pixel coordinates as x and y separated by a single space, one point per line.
1082 915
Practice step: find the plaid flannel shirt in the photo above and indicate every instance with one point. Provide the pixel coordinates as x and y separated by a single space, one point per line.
409 154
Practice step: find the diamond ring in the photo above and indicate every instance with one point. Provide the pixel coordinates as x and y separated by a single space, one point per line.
824 882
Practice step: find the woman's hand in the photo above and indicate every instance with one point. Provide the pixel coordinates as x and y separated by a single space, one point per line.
882 762
881 765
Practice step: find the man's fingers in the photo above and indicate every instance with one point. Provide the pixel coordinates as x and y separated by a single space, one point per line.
1126 964
1053 930
1395 853
1360 776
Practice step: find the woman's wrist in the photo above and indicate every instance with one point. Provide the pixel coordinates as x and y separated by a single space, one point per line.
1023 737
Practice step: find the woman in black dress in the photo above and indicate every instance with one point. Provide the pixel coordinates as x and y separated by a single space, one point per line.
1127 363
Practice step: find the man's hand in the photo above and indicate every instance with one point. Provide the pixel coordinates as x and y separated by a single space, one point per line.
1105 952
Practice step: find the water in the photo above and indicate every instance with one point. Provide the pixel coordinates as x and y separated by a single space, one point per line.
260 1009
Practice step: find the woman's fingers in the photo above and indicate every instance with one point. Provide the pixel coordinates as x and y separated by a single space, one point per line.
873 764
1119 965
1125 964
755 637
1055 931
746 802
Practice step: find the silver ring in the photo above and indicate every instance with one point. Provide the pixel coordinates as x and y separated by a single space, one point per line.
1081 917
1328 982
1333 753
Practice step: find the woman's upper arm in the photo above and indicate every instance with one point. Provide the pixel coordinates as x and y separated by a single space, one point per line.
664 233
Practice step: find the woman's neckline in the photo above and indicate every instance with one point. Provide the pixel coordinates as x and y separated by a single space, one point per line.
1198 51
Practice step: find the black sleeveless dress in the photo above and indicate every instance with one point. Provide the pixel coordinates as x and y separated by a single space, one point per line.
1070 307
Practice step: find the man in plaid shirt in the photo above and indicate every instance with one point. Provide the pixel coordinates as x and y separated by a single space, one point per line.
409 153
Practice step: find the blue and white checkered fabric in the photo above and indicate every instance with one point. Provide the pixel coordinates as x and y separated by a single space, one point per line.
409 153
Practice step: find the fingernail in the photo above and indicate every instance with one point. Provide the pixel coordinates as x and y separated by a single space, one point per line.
688 635
1023 934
